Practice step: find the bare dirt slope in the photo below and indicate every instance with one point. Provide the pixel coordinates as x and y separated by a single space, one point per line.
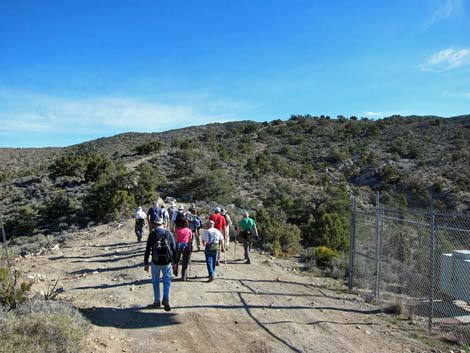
263 307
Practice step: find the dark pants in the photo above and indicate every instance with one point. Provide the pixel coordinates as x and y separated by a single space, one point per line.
183 250
139 230
211 260
247 247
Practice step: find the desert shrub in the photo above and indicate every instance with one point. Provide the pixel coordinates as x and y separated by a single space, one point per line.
44 326
22 222
70 164
95 166
145 186
12 290
324 255
110 197
277 236
59 208
149 147
390 174
338 266
213 185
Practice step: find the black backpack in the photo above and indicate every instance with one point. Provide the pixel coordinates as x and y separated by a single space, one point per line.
180 217
161 254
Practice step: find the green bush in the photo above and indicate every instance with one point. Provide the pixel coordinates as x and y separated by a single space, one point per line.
324 255
277 236
111 196
12 293
70 164
149 147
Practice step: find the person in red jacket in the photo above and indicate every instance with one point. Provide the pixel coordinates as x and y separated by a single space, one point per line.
219 224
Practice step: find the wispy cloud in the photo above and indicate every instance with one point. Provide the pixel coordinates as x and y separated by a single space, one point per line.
35 113
381 114
446 9
465 95
447 59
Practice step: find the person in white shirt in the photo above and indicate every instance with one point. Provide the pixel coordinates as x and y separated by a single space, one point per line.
213 240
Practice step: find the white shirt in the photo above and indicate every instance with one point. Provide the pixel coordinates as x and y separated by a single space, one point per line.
212 235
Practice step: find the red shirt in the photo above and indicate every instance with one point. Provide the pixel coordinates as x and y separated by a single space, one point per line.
219 221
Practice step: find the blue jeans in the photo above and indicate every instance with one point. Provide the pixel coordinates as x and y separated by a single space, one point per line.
211 259
166 279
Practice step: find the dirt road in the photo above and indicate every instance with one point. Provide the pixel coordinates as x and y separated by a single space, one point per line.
262 307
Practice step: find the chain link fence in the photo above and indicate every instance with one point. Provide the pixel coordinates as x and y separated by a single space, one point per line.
418 260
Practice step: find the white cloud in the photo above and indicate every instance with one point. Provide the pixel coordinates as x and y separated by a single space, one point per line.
445 10
36 113
447 59
380 114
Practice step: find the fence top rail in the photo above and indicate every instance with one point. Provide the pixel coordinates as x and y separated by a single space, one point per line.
404 211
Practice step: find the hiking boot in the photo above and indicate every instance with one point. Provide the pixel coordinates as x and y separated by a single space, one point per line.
156 305
211 279
166 304
248 262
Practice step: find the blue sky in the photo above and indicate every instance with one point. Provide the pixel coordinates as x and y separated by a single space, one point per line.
72 71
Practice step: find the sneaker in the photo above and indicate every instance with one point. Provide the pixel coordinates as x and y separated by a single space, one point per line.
248 262
166 304
156 305
210 279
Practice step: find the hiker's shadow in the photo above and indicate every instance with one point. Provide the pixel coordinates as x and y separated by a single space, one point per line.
129 318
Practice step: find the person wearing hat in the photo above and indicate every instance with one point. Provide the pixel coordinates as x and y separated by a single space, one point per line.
140 217
178 218
219 223
162 246
213 241
171 211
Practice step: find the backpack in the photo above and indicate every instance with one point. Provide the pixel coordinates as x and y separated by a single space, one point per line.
161 254
161 213
194 222
180 217
154 214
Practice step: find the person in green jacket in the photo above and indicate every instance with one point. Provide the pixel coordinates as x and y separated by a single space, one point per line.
247 231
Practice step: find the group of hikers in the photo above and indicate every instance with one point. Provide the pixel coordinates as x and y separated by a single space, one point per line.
172 234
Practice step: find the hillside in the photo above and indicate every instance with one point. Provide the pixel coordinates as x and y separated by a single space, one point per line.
297 172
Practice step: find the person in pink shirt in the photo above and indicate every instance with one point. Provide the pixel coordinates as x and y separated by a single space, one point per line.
183 237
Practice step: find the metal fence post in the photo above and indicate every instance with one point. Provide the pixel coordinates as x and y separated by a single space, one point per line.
352 243
377 236
432 253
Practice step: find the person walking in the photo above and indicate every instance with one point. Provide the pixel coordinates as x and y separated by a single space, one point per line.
248 230
195 224
213 241
228 222
220 224
140 217
152 214
161 245
183 249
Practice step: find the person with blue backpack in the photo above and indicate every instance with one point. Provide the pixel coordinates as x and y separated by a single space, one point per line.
195 224
161 246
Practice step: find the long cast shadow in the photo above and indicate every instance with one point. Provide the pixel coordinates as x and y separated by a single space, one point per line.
114 259
100 269
115 285
267 330
108 254
129 318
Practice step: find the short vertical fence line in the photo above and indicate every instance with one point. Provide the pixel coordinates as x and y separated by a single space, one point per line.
352 243
432 254
377 236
